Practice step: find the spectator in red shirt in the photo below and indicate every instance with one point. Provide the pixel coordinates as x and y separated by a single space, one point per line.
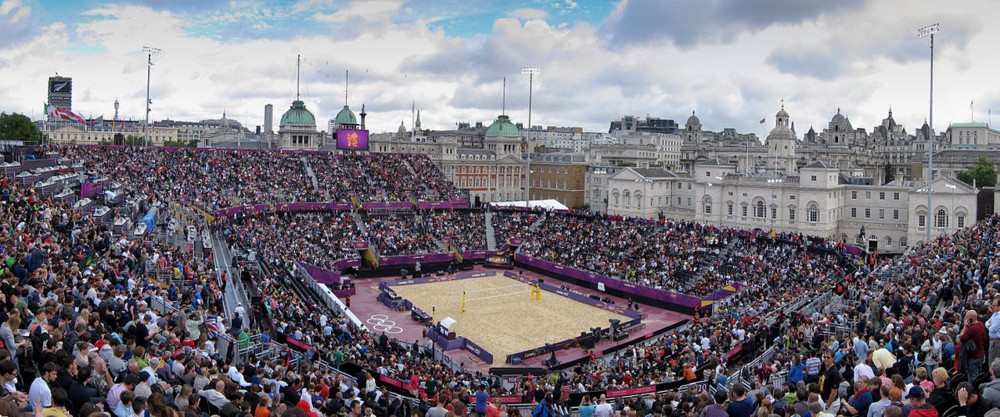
975 331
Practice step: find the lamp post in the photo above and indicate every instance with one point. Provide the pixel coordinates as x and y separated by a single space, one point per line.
150 51
530 71
929 31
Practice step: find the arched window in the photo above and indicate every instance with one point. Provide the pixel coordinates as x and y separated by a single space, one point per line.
902 241
758 210
941 220
627 199
813 212
707 203
888 241
615 198
638 199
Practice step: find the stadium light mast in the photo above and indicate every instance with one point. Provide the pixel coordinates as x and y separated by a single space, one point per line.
530 71
929 31
150 51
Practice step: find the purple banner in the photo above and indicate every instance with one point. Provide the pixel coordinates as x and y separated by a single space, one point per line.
283 207
478 351
350 139
592 278
88 189
375 205
724 293
321 276
426 205
345 293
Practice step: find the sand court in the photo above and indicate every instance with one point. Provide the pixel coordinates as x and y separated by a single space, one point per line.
500 315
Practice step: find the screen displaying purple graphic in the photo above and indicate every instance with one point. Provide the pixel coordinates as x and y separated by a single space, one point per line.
351 139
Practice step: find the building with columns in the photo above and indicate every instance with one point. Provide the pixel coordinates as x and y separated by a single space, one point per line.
297 128
487 163
816 198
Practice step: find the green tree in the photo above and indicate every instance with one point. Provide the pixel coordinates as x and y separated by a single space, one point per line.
982 174
16 126
890 173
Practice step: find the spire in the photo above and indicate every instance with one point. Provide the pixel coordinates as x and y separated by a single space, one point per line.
418 120
347 84
298 67
503 99
838 110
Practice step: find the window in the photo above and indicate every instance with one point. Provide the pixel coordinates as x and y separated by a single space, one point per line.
881 196
791 215
868 195
902 241
854 195
708 207
627 199
791 197
941 220
868 213
813 213
813 178
921 220
758 211
854 212
895 214
774 212
888 241
744 210
961 222
729 209
881 214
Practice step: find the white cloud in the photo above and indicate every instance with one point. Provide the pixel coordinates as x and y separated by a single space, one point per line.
14 11
527 13
369 10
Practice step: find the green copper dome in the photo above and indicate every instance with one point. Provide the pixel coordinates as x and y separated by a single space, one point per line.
297 115
346 117
503 127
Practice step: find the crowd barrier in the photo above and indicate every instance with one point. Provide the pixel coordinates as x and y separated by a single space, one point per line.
331 300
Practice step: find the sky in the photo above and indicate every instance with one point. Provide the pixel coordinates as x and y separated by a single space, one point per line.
733 62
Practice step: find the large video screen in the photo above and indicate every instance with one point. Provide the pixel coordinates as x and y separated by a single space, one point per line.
60 86
350 139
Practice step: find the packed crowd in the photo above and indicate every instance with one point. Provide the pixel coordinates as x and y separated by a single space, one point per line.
282 239
464 229
380 177
211 179
437 187
513 224
207 179
891 331
654 253
400 234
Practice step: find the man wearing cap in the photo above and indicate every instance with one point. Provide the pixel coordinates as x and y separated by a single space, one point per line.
976 332
918 407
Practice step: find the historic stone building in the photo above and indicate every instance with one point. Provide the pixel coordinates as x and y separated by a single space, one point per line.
783 194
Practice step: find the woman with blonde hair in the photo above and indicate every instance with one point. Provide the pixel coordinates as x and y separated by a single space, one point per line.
7 334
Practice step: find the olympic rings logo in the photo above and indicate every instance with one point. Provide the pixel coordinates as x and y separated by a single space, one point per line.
382 323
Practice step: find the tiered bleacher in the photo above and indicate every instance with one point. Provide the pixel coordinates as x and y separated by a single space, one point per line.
99 319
